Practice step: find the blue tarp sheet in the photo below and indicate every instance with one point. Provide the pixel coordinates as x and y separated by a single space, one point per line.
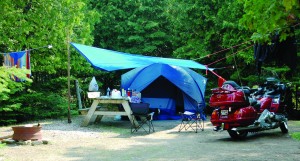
166 86
109 60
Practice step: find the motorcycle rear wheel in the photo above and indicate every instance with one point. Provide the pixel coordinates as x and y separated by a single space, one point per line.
284 127
237 135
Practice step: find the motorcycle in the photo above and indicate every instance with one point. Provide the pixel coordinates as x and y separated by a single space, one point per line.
241 110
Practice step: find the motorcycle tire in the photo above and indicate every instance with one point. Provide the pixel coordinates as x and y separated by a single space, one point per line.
284 127
237 135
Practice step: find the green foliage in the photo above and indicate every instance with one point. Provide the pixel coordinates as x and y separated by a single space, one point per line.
265 18
201 28
7 78
296 135
35 105
9 87
133 26
34 25
30 25
43 105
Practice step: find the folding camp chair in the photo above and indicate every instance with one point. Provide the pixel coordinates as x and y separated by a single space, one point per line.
144 117
193 120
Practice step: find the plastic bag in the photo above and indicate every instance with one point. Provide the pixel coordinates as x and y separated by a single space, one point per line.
93 87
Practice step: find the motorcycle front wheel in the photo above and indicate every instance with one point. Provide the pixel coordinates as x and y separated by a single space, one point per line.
237 135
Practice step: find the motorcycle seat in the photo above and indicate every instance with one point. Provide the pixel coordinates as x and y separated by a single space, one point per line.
245 89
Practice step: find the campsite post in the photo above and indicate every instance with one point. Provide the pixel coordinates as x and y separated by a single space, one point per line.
69 90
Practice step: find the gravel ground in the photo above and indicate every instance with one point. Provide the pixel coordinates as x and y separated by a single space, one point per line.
112 141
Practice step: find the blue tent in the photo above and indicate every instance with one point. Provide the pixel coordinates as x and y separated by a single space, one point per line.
109 60
170 88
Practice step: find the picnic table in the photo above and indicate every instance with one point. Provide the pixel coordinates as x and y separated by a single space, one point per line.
92 113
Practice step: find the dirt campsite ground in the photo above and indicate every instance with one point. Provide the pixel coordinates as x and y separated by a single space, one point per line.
111 140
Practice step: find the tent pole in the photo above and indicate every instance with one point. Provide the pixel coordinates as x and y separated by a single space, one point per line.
69 90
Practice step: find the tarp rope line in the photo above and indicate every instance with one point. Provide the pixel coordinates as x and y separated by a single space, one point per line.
221 80
288 27
222 50
229 55
231 47
238 73
227 67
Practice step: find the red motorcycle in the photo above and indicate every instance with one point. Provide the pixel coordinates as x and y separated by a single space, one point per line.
240 110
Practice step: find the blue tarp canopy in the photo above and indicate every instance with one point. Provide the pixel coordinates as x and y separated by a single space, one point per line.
109 60
170 88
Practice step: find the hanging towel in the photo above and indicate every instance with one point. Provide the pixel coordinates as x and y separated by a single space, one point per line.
7 60
28 62
19 59
16 58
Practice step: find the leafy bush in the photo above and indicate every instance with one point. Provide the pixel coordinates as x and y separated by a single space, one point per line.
296 135
43 105
9 87
35 106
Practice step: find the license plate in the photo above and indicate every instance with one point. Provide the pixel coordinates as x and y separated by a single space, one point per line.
224 112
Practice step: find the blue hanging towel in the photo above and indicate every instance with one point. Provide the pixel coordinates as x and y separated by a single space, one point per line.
20 59
16 56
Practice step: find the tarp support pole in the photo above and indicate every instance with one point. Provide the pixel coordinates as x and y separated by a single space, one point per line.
69 90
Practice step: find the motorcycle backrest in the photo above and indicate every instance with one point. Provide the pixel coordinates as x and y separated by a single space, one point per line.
232 84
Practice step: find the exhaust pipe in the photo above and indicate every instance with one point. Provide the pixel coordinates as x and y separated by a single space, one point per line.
248 128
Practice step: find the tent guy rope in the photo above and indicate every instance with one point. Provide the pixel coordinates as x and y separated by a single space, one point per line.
229 55
217 52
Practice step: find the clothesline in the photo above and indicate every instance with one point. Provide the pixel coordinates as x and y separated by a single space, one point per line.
19 59
48 46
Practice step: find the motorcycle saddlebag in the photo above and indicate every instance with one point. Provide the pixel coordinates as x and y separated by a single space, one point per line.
225 97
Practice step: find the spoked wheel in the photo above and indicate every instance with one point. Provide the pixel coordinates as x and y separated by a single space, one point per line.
237 135
284 127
